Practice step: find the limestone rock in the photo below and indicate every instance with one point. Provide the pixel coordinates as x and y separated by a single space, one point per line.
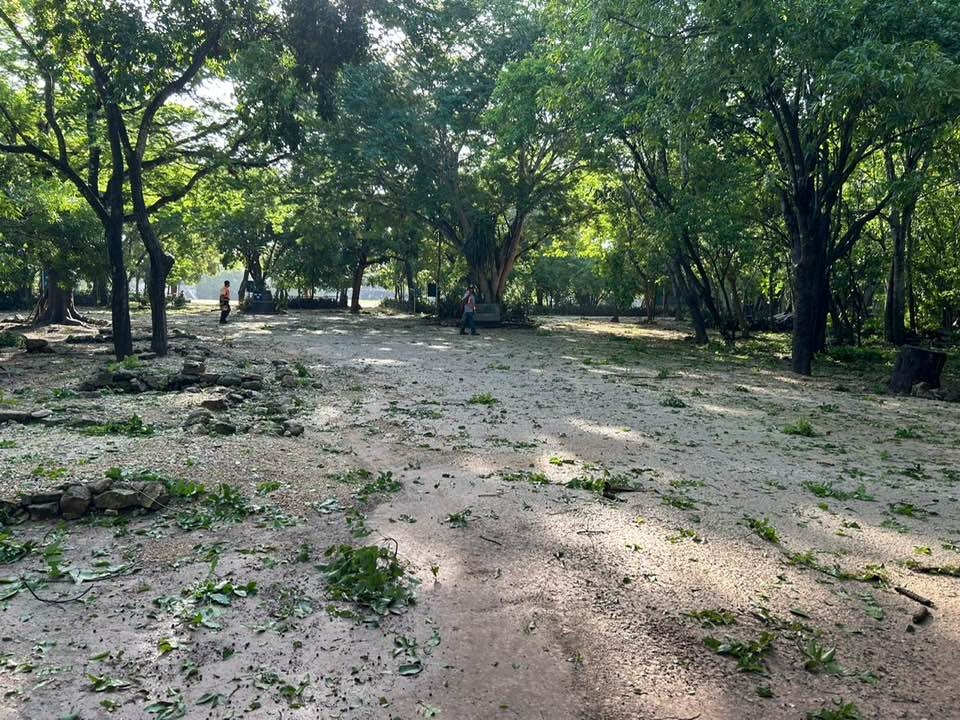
198 417
75 502
23 416
152 495
215 404
36 345
42 498
221 427
44 511
293 429
118 498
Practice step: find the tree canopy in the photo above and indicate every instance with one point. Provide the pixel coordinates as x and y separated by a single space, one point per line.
769 164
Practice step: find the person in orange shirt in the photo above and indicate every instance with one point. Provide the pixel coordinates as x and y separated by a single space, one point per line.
224 302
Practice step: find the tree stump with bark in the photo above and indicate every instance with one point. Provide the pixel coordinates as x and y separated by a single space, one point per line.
915 365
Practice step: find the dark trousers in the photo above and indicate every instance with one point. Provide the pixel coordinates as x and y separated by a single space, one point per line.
224 311
468 320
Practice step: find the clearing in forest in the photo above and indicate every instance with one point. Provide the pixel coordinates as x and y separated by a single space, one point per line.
372 517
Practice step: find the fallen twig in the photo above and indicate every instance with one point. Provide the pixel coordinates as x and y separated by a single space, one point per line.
491 540
914 596
54 601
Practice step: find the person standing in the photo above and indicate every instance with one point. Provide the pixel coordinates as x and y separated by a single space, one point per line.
469 318
224 302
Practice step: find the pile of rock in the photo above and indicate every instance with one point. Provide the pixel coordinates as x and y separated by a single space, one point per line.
23 416
192 375
130 381
74 500
103 335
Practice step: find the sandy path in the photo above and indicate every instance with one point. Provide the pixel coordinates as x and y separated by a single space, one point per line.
551 603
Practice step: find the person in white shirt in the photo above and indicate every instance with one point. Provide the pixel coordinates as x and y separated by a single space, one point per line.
469 318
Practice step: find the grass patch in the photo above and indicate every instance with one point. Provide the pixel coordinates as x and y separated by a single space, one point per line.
384 483
908 510
482 399
528 476
749 655
131 427
457 519
801 427
828 489
762 528
368 576
130 362
672 401
11 550
712 618
678 501
839 711
11 340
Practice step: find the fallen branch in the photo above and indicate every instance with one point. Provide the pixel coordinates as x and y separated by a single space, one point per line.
54 601
914 596
491 540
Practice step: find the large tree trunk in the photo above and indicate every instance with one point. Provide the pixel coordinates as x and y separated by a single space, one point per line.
738 305
810 303
56 305
120 290
357 282
692 300
156 287
895 306
242 292
113 232
411 286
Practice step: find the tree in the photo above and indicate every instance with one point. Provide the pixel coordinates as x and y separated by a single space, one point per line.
107 74
450 125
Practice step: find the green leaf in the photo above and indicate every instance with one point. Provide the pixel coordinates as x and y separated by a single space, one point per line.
411 668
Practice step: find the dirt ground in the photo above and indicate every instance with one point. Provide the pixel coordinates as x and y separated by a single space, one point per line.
542 602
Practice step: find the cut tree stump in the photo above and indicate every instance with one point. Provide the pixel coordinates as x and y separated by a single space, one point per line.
915 365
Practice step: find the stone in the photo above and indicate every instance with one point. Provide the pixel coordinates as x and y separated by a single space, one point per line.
118 498
36 345
193 368
103 379
221 427
215 404
289 381
154 381
293 429
9 506
236 398
122 376
81 422
100 485
75 502
44 511
152 495
23 416
230 380
252 384
198 417
42 498
147 356
210 379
